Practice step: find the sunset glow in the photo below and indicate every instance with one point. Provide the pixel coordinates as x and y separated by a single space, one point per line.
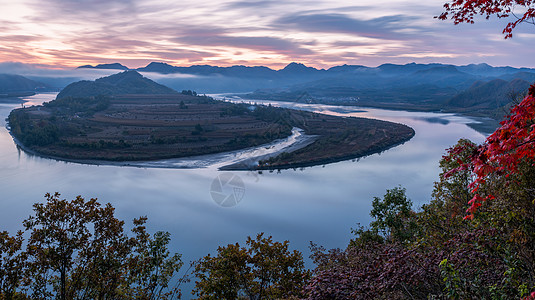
273 33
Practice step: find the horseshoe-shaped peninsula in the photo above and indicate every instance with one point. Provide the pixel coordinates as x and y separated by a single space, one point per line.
127 117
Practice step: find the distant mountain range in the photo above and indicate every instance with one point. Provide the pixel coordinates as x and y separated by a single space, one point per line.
477 89
114 66
298 69
16 85
207 70
127 82
413 86
492 94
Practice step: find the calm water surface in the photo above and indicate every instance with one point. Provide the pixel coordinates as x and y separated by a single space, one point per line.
319 204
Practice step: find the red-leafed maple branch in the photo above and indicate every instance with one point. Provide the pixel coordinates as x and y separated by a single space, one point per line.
463 11
503 151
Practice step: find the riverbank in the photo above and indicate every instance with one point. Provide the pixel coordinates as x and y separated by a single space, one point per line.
252 158
245 157
249 159
162 130
311 163
316 154
252 163
483 123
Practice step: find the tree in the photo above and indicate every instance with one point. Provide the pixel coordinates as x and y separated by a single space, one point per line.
393 215
78 250
504 153
58 230
12 262
503 178
189 93
151 267
442 218
477 261
491 257
263 270
463 11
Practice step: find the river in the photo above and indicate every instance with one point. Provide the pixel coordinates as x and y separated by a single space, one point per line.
202 211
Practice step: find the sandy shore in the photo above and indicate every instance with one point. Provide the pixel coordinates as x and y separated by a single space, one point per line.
245 159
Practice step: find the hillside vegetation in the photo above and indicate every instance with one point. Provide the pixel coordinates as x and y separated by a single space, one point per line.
495 95
475 239
128 82
421 87
16 85
111 126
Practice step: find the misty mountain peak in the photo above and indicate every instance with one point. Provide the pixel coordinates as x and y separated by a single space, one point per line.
481 65
128 82
123 76
481 68
113 66
16 83
158 64
297 68
159 67
443 69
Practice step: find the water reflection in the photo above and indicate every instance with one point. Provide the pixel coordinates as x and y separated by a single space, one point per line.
318 204
436 120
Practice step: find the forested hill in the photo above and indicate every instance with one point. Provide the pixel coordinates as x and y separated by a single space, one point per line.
16 84
114 66
489 95
128 82
476 89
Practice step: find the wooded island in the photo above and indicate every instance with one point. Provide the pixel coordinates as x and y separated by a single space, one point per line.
139 127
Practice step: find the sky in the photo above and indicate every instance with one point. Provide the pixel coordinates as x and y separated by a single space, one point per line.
320 33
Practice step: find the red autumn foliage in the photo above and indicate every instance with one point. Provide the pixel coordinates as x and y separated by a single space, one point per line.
530 297
503 151
463 11
393 271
